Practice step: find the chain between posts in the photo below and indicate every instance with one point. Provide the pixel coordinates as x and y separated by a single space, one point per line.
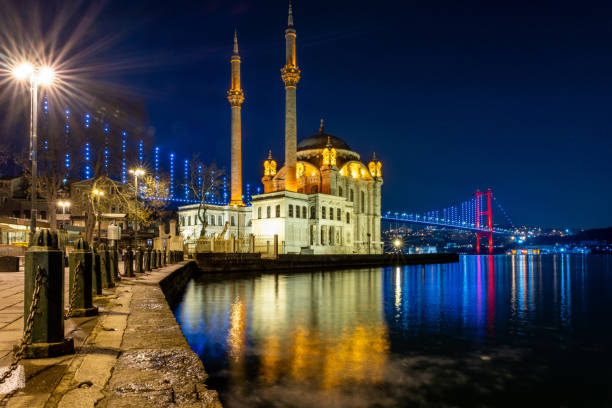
27 333
75 288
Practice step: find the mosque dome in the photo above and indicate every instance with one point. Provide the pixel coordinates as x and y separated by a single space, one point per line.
319 141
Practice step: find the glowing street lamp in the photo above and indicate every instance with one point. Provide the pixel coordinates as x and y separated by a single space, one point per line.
63 205
97 194
137 172
42 76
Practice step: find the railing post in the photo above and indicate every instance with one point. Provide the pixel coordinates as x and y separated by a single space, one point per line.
44 269
128 263
105 267
96 272
275 245
79 262
139 260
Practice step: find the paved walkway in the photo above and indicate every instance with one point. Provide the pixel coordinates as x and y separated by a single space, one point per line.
153 366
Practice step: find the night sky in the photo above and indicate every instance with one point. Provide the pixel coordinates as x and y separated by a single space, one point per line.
452 96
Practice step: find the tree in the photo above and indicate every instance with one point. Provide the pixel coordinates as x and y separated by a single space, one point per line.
204 183
119 198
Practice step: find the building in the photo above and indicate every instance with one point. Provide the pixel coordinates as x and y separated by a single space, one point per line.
324 199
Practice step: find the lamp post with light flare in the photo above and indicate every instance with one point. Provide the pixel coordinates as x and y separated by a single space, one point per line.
97 194
63 205
136 172
41 76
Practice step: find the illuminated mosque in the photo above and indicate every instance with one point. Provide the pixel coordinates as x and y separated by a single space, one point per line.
322 200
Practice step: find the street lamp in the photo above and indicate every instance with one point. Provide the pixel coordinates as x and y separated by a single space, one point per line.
41 76
137 172
97 194
64 205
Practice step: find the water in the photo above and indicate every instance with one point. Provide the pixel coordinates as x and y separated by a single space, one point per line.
487 331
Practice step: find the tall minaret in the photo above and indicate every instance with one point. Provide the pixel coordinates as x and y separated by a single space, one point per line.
235 96
291 76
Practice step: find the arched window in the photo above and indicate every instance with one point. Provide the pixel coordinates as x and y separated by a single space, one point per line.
220 220
362 201
339 214
233 221
258 212
348 217
290 210
313 212
268 211
331 213
352 196
278 211
340 191
323 212
304 212
189 220
212 220
297 211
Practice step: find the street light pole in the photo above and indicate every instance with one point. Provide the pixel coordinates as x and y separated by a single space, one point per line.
33 149
42 76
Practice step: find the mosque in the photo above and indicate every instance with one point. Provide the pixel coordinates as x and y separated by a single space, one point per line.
323 200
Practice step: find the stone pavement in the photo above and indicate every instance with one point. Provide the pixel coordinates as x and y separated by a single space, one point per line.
132 354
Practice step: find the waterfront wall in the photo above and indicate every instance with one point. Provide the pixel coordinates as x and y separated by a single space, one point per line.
209 262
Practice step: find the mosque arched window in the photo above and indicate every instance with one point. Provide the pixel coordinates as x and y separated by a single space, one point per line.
269 211
339 214
323 213
277 211
352 196
220 220
304 212
291 210
313 212
233 221
259 212
362 201
348 217
331 213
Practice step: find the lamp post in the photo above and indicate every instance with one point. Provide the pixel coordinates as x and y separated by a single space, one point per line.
63 205
97 195
136 172
37 77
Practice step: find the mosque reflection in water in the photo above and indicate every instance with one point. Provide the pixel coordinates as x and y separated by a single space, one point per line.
346 329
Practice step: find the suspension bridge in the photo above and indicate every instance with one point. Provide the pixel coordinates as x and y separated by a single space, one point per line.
474 214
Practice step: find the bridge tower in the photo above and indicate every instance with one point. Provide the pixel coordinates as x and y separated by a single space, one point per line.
487 230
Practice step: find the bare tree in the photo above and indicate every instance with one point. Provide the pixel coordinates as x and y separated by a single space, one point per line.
204 183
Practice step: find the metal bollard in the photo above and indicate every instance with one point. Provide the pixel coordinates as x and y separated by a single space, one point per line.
128 263
105 267
147 259
44 298
139 261
164 258
159 260
79 262
114 264
153 260
96 273
170 257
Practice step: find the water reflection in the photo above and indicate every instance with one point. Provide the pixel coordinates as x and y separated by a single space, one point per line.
344 337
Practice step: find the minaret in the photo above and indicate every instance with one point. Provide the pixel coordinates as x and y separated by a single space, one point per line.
235 96
291 76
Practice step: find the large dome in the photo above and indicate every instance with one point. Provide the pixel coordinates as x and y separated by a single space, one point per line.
319 141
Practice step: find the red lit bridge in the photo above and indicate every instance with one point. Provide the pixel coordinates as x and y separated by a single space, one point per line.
475 214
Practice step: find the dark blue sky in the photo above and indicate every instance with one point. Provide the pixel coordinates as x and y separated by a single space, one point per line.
452 96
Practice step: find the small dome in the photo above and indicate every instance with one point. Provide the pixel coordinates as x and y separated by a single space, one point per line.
319 141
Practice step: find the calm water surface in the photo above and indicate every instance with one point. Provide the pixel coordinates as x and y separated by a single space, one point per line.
487 331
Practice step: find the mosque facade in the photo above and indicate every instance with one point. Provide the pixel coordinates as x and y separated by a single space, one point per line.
323 199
